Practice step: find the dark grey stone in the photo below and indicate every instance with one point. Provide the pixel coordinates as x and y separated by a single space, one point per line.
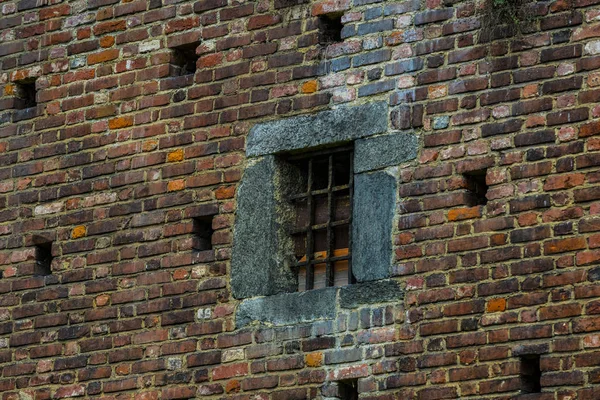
377 87
353 296
340 356
348 31
404 66
429 16
529 349
373 13
372 57
401 8
342 124
257 264
441 122
384 151
340 64
373 213
363 2
375 73
594 274
288 308
378 26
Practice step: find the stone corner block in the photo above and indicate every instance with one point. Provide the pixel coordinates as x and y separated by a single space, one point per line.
384 151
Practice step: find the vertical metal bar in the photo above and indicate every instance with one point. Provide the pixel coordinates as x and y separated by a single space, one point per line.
310 272
351 278
329 272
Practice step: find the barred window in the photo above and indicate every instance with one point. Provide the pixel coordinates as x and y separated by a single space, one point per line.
322 229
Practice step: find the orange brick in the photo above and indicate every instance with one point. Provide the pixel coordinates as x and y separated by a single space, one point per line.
78 232
314 359
225 192
175 156
232 386
459 214
176 185
107 41
9 89
495 305
149 145
120 122
103 56
309 87
20 75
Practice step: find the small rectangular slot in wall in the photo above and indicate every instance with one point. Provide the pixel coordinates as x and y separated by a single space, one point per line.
348 390
330 28
25 94
477 187
183 59
531 374
203 232
43 259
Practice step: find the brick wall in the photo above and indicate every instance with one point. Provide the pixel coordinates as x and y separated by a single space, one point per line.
118 157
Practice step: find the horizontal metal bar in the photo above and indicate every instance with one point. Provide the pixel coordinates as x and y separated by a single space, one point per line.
334 189
323 260
321 226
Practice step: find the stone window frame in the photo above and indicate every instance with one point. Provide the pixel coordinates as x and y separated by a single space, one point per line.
260 272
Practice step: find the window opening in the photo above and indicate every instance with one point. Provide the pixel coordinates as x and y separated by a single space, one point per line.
322 231
330 28
25 94
477 187
43 259
348 390
203 232
531 374
183 59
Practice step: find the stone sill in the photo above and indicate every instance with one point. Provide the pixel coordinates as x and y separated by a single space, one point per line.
293 308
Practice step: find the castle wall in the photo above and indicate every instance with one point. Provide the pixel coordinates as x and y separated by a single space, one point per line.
123 150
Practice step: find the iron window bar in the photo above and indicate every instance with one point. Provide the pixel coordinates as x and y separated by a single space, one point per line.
308 233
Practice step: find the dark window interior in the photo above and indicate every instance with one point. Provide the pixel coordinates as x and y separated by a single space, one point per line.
183 59
330 28
348 390
323 205
25 94
203 232
531 374
477 187
43 259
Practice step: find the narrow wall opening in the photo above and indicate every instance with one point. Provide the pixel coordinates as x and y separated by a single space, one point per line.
531 374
